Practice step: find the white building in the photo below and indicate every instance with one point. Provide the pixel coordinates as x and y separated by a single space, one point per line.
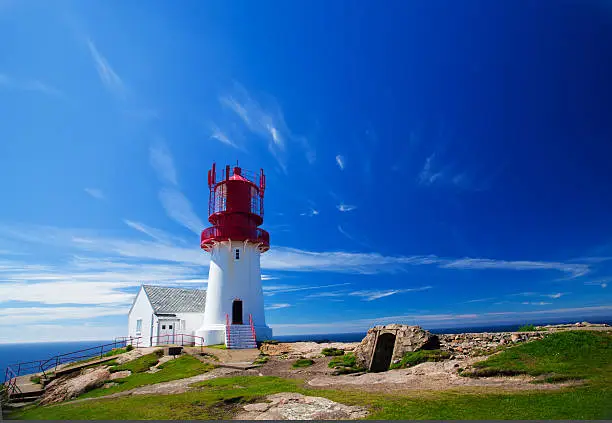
161 315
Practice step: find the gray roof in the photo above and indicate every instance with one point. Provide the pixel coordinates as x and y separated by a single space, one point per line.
175 300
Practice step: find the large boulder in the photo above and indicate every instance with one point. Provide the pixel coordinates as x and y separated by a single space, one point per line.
70 386
293 406
407 339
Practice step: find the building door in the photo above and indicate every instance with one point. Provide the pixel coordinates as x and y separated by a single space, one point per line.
237 312
383 353
166 331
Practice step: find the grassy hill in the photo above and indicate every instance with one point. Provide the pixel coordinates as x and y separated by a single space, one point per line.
561 356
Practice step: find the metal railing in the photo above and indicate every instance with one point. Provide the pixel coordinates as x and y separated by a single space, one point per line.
43 366
235 233
10 381
182 339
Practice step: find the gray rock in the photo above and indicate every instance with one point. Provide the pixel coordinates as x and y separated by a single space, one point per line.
292 406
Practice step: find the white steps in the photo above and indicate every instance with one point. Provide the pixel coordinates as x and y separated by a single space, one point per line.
240 337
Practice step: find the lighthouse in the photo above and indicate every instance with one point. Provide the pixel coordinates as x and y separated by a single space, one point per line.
234 311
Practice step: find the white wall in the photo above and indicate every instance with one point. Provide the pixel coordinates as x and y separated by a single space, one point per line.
231 279
141 310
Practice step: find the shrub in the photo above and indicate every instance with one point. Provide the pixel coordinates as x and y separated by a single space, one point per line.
35 379
417 357
302 362
332 352
261 360
344 364
527 328
271 342
129 348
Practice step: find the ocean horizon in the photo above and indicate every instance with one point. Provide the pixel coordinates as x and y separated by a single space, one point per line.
13 353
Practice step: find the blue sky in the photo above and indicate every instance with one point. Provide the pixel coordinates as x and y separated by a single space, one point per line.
439 163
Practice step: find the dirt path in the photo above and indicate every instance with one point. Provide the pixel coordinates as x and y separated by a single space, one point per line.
433 376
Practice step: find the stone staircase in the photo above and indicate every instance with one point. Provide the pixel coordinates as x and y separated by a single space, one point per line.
239 337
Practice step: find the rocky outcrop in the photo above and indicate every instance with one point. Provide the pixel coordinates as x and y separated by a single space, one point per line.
407 339
69 386
292 406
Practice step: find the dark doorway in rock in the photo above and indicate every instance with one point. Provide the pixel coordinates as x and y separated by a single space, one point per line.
383 352
237 312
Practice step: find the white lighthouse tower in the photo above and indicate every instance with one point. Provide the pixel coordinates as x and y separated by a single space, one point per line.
234 312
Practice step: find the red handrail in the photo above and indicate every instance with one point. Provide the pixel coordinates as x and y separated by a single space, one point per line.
252 328
227 329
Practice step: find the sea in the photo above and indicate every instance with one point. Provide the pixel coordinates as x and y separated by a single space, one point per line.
11 354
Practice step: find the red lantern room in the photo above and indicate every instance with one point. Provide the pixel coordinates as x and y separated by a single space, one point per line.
235 208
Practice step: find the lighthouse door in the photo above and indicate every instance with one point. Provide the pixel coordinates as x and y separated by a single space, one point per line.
237 312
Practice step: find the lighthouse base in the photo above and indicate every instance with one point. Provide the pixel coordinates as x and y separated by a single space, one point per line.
216 334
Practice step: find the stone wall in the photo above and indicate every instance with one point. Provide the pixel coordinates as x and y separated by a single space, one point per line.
470 344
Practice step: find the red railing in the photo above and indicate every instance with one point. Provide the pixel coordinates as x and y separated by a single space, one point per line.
227 329
235 233
252 328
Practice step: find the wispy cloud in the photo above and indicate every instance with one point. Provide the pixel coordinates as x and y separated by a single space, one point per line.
162 163
538 303
599 282
95 193
221 136
28 85
277 306
154 233
371 295
281 289
109 77
340 161
278 258
428 176
573 269
345 207
267 122
310 213
177 206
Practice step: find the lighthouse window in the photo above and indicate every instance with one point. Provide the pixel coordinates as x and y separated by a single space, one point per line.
138 326
237 254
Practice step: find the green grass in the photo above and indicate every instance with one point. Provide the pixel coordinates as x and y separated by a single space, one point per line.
35 379
417 357
221 398
179 368
332 352
529 328
302 362
570 355
271 342
141 364
585 353
217 346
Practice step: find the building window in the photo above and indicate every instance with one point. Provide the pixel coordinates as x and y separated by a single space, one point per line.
170 327
237 254
138 326
182 325
163 326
